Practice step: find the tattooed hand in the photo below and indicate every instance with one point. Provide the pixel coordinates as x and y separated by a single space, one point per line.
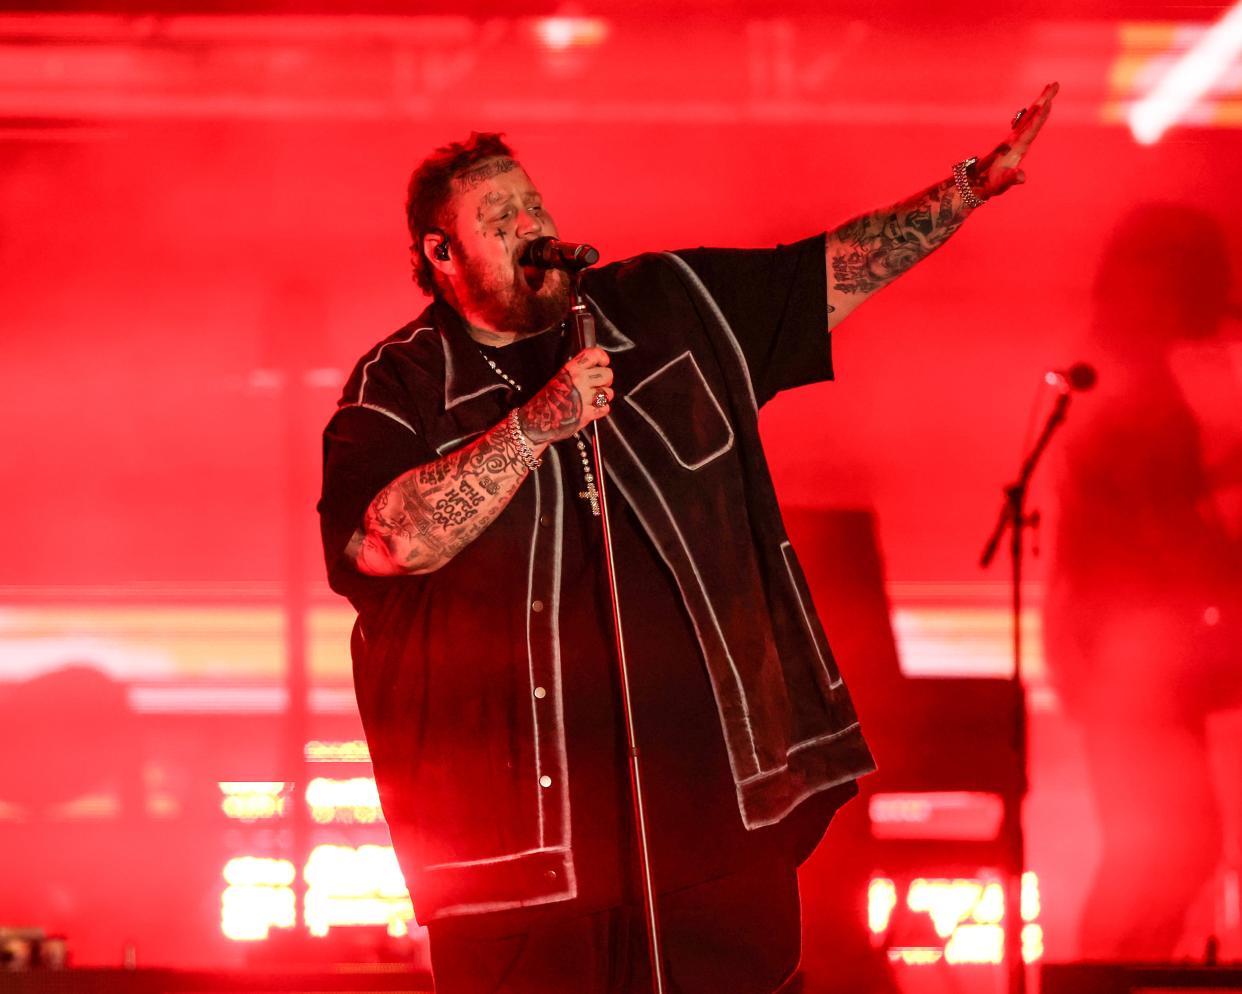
566 404
997 171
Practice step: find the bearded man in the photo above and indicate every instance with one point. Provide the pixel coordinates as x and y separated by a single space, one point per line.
459 516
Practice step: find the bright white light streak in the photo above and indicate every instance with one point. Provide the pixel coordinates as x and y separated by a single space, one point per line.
1188 79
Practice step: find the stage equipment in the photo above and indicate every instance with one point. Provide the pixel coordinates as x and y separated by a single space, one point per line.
1080 376
551 253
933 810
1014 519
31 949
1138 978
583 256
338 980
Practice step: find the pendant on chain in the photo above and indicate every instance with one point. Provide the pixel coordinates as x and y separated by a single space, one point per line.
590 494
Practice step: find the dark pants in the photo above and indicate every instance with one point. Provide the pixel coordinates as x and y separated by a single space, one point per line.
739 934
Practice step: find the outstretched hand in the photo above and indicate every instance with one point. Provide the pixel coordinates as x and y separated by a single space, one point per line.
1000 169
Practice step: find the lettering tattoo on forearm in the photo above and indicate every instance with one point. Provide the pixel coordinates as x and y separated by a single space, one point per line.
425 517
458 506
433 473
553 411
873 250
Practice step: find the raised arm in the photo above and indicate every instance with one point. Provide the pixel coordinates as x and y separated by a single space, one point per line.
866 254
426 516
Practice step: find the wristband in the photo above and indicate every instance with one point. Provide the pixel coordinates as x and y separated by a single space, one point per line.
520 440
969 197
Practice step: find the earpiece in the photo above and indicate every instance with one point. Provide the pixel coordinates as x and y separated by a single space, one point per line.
441 251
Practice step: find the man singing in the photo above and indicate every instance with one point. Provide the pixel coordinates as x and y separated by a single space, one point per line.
460 517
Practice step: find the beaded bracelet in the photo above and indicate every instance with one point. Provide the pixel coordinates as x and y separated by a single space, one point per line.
519 439
969 198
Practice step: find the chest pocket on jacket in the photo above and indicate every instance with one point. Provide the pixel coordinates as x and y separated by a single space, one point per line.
678 403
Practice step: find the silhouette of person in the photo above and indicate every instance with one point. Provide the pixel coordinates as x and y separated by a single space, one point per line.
1142 612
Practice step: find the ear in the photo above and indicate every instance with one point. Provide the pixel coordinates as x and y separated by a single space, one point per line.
438 252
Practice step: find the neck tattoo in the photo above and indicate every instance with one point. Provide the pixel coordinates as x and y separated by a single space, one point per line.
590 494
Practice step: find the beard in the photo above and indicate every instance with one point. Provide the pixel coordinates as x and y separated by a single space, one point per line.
518 305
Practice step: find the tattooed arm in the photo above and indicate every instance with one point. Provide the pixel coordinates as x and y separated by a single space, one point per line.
868 253
426 516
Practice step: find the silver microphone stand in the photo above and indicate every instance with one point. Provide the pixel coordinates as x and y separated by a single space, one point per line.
584 333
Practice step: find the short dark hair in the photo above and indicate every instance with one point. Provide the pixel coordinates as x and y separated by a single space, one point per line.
431 189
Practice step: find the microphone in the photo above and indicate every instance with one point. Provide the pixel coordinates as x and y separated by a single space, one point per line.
551 253
1080 376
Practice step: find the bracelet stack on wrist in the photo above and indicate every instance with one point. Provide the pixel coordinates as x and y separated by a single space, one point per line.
523 444
969 197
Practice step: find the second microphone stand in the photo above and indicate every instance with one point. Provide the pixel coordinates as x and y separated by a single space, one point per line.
584 333
1015 519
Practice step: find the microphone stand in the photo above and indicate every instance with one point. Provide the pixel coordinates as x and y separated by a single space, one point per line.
584 335
1015 519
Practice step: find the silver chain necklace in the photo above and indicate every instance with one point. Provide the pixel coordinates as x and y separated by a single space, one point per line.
500 372
590 494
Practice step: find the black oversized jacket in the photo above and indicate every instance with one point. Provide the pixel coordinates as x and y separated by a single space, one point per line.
460 691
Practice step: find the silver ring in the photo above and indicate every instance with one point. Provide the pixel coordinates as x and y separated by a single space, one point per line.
601 399
1016 118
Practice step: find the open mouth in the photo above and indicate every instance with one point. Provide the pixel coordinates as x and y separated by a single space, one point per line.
533 276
